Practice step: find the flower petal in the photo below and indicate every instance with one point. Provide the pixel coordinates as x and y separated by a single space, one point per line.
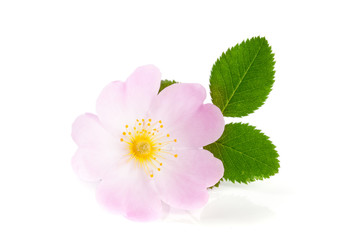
129 192
177 102
111 107
180 107
203 127
98 150
141 88
199 165
183 181
91 165
88 132
121 103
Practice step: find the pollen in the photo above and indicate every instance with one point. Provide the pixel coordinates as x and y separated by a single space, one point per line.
142 148
148 145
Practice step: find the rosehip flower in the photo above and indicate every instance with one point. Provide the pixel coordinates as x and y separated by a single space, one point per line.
145 148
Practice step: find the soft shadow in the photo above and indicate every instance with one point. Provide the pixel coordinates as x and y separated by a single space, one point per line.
233 210
261 187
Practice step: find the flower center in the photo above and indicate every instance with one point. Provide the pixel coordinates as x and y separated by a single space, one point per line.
148 145
142 148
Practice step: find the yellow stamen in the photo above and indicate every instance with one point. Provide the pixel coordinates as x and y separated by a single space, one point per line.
147 145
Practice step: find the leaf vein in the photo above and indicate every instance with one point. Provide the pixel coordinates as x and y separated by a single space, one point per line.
233 149
237 86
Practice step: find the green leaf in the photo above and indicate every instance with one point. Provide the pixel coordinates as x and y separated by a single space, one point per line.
247 154
165 83
242 78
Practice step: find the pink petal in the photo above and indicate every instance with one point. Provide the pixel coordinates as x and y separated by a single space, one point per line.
184 180
121 103
199 165
180 107
111 107
203 127
129 192
88 132
98 150
142 87
92 165
177 102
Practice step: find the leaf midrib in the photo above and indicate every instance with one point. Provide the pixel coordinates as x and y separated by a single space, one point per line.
245 155
238 85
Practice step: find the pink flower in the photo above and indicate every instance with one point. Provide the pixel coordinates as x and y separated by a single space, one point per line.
145 148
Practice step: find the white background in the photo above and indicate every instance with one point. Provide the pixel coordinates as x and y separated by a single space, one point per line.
56 56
